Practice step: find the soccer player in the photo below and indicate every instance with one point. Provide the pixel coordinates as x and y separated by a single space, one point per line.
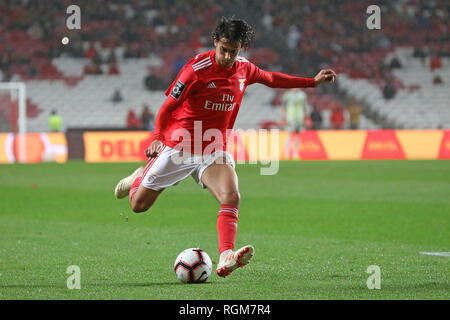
294 101
191 127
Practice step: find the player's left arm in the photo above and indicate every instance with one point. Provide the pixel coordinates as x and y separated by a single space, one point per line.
325 75
282 80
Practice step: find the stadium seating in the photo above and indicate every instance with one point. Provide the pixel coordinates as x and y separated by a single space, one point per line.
89 104
420 104
156 34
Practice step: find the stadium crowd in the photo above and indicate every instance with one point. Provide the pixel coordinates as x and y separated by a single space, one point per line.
308 34
298 37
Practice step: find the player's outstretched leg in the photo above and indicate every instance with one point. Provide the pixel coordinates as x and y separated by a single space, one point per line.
123 186
222 181
231 260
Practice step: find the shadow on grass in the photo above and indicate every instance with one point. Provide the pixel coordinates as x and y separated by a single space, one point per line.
147 284
105 284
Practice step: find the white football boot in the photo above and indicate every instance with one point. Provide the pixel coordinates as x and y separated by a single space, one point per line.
234 260
123 186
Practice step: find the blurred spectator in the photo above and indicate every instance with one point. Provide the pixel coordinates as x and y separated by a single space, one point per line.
316 118
383 70
147 118
337 118
54 121
92 68
112 57
32 70
294 101
133 121
97 60
113 69
178 64
91 52
267 21
437 80
293 37
131 51
75 50
435 63
420 53
117 96
152 82
7 75
395 63
389 91
5 65
354 110
35 31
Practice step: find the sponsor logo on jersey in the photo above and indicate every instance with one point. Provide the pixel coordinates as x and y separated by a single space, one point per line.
219 106
178 89
227 104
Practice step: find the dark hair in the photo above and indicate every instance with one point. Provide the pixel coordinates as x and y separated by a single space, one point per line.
233 30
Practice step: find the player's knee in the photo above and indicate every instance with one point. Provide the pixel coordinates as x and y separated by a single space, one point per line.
230 197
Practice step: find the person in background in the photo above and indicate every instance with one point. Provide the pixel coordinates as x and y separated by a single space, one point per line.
316 118
133 121
337 118
117 96
437 80
92 68
389 91
294 101
91 52
435 67
435 63
147 118
354 110
113 68
54 121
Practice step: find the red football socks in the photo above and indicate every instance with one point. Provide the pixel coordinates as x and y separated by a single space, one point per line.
135 186
227 226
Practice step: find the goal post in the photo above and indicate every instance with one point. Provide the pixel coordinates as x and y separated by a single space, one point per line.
17 91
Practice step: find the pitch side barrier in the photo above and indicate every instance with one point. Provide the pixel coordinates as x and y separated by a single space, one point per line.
247 146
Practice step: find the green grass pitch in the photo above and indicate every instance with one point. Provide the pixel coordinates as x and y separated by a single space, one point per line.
316 228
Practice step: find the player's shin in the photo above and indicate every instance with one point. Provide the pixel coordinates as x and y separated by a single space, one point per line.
227 227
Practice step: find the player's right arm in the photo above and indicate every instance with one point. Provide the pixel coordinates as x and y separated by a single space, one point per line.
176 93
161 122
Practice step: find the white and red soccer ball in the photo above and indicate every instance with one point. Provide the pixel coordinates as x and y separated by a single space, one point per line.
193 265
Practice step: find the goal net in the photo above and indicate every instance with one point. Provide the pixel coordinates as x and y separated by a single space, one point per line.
13 120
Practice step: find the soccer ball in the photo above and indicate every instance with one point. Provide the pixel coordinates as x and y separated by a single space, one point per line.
193 265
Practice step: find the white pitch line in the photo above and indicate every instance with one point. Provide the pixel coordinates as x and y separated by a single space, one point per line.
442 254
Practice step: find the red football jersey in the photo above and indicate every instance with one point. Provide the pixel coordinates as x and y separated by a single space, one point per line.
204 99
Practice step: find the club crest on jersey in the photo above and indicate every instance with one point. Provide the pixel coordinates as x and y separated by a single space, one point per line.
241 83
151 177
177 89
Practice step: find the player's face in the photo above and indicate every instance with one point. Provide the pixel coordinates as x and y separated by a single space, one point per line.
226 52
